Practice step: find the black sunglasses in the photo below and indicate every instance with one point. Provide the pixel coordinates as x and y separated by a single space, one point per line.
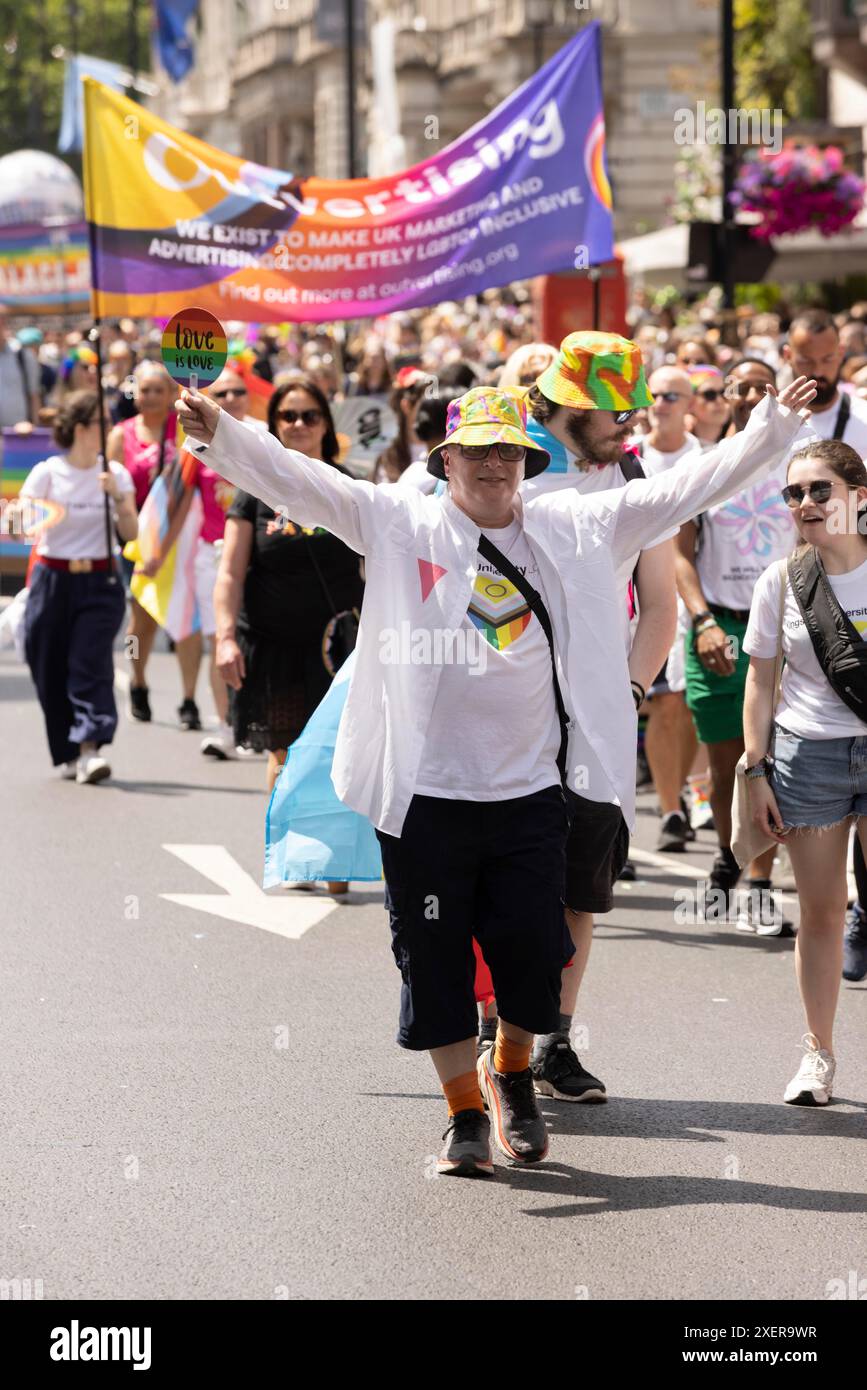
819 491
711 395
621 416
307 417
669 396
231 391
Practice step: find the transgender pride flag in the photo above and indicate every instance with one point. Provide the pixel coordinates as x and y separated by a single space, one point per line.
170 597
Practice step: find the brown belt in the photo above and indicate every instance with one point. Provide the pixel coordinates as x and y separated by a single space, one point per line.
73 566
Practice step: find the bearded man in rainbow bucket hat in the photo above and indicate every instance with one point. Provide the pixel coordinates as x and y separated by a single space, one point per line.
490 687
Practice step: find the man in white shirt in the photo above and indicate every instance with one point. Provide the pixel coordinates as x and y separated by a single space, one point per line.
19 380
721 556
814 349
480 852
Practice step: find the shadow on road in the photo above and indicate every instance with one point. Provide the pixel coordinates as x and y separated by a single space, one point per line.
177 788
631 1118
621 931
592 1193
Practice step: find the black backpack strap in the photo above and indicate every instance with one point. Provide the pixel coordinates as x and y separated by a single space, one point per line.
630 466
536 605
839 646
842 416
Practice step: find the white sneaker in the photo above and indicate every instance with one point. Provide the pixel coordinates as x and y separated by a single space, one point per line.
68 771
220 745
92 768
760 911
813 1082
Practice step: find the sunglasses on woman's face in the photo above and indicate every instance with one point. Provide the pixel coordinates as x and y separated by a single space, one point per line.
711 395
307 417
232 391
820 491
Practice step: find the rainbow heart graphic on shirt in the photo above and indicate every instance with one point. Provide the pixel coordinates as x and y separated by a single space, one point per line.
498 610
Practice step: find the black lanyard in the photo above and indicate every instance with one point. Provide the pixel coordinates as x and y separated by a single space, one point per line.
842 416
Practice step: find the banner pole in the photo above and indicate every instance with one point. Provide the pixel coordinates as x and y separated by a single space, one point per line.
349 11
95 338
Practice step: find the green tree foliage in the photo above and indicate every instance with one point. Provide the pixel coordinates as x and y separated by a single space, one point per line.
31 80
773 57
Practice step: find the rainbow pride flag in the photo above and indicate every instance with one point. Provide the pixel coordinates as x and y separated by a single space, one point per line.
19 454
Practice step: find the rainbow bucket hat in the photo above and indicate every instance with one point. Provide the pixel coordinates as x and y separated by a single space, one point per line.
596 371
489 415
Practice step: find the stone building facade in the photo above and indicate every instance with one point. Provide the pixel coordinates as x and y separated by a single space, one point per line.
270 81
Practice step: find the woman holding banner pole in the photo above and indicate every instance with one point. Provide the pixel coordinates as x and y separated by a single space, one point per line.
75 604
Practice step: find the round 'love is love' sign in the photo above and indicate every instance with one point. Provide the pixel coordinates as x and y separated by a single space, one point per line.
194 347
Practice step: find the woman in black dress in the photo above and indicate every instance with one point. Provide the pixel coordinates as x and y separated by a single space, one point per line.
278 591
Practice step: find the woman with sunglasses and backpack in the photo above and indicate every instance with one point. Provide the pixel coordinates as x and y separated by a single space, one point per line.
285 596
806 747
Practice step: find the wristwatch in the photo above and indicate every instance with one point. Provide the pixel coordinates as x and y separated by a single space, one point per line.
759 769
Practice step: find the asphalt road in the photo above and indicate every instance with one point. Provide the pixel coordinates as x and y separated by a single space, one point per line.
201 1108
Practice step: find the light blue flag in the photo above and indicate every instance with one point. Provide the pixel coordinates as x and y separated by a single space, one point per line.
309 834
80 65
559 458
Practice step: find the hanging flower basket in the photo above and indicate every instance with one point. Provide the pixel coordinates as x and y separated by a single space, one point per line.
797 188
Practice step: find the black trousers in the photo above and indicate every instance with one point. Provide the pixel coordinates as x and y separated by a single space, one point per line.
71 622
489 869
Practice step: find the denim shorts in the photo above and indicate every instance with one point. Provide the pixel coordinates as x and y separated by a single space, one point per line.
818 781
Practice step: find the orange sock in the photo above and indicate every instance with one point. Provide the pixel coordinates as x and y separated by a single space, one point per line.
462 1093
510 1056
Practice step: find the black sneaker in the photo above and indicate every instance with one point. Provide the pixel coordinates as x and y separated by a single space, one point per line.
557 1072
627 873
673 833
467 1150
139 704
684 811
519 1128
487 1034
188 716
855 944
722 881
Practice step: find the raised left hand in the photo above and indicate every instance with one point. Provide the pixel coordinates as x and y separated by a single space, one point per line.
796 396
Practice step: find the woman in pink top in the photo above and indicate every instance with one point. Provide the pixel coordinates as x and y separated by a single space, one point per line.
231 392
146 446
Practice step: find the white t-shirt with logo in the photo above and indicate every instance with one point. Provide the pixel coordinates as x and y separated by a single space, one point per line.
808 706
740 538
494 732
79 534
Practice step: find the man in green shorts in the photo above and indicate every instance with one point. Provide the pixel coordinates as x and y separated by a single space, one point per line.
721 555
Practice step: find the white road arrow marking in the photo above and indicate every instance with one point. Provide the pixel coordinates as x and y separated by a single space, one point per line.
242 899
